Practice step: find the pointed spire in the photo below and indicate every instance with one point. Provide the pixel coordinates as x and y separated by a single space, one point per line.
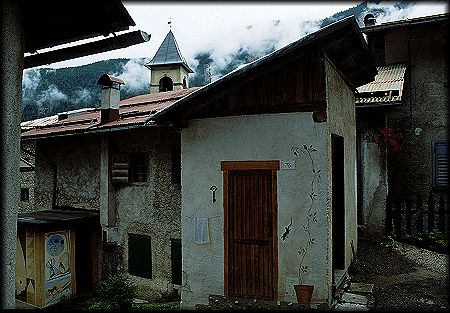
169 53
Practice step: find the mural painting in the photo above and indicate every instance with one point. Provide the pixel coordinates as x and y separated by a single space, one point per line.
58 279
25 267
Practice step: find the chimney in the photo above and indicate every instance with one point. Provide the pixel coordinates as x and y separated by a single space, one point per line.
110 98
369 20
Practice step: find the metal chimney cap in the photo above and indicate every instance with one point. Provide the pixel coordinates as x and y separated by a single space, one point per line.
369 20
108 80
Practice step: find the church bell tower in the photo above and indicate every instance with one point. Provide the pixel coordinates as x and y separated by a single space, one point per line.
168 69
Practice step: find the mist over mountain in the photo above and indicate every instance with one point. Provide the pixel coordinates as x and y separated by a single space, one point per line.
49 91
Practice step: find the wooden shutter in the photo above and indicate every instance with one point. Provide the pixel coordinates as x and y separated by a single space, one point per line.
175 247
139 256
119 169
440 165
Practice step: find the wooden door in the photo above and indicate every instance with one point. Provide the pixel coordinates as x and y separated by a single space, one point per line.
250 229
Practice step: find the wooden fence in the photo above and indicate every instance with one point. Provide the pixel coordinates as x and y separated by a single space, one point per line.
406 217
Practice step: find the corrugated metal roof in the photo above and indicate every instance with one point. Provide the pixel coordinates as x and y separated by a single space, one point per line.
132 112
387 86
169 53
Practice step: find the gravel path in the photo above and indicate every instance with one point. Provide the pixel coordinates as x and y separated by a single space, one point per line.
405 277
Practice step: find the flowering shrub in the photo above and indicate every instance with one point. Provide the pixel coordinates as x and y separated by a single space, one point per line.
390 138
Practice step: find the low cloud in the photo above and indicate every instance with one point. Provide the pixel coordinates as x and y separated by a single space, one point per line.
51 95
135 75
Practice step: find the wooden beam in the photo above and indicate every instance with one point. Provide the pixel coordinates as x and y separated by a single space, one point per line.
104 45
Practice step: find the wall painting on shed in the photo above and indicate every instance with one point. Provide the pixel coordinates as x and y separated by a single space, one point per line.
58 278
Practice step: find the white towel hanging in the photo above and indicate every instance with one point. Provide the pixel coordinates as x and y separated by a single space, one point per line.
201 229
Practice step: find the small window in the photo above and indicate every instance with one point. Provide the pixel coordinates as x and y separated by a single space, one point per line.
184 83
138 167
139 256
175 248
440 164
176 165
25 194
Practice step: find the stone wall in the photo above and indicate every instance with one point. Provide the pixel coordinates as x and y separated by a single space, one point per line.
149 208
425 106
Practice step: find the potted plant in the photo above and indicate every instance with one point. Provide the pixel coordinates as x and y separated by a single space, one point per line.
304 291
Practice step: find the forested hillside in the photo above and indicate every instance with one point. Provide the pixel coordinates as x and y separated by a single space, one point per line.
49 91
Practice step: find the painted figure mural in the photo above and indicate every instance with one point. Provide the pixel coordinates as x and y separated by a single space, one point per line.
58 277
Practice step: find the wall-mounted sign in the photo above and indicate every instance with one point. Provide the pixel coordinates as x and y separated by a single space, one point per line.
287 164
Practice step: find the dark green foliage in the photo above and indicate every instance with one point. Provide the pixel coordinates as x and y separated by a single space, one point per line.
65 89
115 292
202 71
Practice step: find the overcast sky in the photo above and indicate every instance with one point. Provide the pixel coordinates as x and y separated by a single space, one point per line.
223 27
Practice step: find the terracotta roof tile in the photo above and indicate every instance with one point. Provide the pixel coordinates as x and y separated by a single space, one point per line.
132 111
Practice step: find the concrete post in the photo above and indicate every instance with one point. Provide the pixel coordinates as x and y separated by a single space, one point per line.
12 47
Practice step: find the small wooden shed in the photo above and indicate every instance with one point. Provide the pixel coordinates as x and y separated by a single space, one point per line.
55 255
268 172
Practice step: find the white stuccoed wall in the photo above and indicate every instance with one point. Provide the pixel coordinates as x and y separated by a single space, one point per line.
341 120
207 142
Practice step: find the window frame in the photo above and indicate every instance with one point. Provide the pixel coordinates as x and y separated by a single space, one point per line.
138 167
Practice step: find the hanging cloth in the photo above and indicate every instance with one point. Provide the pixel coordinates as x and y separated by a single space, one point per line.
201 228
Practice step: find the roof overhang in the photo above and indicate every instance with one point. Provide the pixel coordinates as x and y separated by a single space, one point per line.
104 45
387 88
48 24
62 217
51 23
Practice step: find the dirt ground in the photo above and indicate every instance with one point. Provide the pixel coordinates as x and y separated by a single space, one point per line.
400 283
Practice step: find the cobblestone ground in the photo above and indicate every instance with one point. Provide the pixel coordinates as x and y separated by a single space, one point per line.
405 278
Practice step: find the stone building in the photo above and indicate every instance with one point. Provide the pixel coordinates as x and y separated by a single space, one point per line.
402 117
112 163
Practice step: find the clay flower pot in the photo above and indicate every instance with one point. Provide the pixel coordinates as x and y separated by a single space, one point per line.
304 293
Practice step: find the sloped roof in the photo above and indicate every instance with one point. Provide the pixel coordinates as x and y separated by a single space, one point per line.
132 114
342 42
386 88
58 217
168 54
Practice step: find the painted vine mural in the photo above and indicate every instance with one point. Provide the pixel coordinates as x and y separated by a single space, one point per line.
311 217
